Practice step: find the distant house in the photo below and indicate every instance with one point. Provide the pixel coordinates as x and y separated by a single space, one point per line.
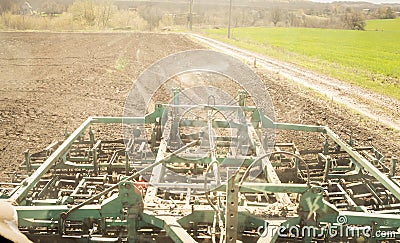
366 10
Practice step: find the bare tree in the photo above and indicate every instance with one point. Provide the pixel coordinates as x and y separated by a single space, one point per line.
83 11
9 5
152 15
104 12
52 7
354 20
254 15
238 17
190 15
26 9
387 13
276 15
293 19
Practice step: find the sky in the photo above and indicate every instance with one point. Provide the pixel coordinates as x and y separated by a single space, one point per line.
370 1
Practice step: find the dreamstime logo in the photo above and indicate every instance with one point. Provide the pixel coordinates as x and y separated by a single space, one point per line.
341 219
331 230
197 101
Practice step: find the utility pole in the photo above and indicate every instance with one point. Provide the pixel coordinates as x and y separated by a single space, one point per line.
230 17
190 17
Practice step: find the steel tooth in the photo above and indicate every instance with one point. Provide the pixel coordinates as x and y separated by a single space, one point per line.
90 188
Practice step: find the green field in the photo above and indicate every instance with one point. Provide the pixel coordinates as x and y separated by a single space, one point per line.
370 59
383 24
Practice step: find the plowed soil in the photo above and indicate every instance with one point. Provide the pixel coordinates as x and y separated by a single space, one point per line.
51 82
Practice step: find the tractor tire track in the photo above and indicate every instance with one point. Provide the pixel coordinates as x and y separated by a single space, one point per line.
375 106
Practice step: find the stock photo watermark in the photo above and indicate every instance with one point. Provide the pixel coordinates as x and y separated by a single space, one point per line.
339 230
194 100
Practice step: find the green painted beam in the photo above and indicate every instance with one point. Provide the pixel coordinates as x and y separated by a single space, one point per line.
170 225
363 218
268 169
31 181
174 230
268 187
299 127
215 107
215 124
54 212
125 120
366 165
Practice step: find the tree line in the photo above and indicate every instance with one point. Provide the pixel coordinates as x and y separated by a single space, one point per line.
106 14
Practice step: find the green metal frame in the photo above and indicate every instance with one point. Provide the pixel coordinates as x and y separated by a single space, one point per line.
129 210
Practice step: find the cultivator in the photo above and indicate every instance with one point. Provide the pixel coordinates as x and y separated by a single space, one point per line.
203 186
204 170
